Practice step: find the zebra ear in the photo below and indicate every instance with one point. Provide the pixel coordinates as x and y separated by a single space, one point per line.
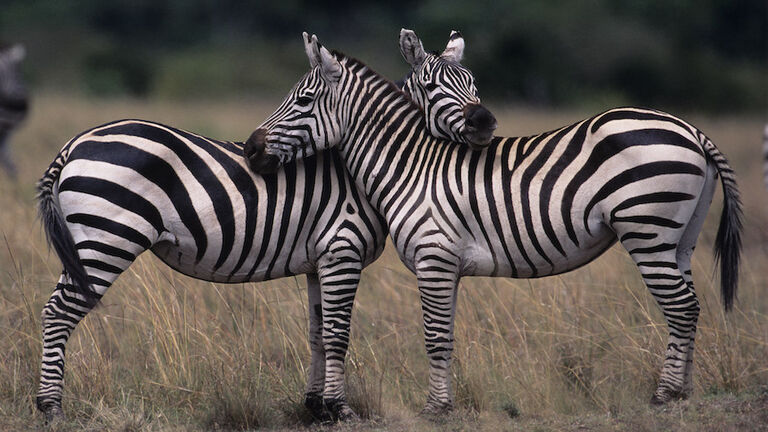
412 49
309 48
16 53
455 49
329 66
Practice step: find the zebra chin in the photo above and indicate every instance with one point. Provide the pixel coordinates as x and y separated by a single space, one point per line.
477 140
254 150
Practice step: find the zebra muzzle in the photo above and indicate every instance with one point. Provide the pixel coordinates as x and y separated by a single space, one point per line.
479 125
255 153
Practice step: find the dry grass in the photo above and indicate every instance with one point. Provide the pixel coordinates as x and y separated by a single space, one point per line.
581 351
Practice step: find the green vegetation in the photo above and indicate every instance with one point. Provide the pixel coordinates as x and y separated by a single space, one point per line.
580 351
684 54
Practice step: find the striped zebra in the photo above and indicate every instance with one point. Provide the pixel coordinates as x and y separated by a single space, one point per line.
13 100
122 188
522 207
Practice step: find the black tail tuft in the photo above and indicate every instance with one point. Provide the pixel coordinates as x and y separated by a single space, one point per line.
60 238
728 247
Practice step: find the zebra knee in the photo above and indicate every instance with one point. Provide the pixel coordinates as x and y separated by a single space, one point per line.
49 315
693 311
439 347
691 308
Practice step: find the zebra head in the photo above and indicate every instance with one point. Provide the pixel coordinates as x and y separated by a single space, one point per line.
11 84
446 91
306 121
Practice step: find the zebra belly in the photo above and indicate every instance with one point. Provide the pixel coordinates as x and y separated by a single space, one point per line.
183 260
529 263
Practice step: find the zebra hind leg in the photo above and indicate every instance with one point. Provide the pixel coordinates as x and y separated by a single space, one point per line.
684 264
658 264
684 254
61 314
65 309
681 308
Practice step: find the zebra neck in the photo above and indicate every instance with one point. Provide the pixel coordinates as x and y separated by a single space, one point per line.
384 132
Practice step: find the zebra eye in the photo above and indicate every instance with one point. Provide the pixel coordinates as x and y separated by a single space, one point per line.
430 86
303 101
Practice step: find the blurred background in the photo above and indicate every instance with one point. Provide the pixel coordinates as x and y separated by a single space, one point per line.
701 56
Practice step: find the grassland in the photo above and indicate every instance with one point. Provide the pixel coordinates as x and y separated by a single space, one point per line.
580 351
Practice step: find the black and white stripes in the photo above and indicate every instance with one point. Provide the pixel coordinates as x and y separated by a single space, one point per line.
523 207
13 100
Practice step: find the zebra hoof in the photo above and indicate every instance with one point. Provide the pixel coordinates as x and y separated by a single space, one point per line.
340 411
51 409
435 409
53 416
314 403
662 397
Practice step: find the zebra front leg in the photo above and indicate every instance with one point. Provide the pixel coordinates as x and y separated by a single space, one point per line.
61 314
438 286
339 274
313 399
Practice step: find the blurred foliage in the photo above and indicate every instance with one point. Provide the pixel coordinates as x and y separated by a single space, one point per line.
683 54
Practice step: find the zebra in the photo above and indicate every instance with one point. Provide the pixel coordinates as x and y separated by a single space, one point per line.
13 100
122 188
522 207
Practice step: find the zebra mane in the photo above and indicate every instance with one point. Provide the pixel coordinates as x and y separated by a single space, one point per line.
363 69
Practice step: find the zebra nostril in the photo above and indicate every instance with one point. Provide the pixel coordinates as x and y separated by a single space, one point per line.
470 116
254 151
258 140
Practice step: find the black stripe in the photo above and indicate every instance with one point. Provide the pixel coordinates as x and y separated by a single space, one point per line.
117 195
106 249
110 226
641 172
155 170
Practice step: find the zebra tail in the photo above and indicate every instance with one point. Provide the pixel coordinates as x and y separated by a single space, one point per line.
58 235
728 241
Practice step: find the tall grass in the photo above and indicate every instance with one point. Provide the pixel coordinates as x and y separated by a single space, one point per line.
166 351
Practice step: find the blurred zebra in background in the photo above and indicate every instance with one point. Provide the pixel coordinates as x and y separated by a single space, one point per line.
765 155
522 207
13 101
